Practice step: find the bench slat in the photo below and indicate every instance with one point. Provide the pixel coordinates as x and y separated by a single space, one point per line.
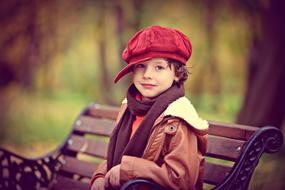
224 148
103 111
235 131
96 126
80 167
215 173
65 183
92 147
218 147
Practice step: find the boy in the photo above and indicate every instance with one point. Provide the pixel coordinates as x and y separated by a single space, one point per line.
159 136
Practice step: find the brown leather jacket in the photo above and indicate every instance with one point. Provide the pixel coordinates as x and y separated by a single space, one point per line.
174 154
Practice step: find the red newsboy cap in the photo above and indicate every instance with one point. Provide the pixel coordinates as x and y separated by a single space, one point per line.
155 42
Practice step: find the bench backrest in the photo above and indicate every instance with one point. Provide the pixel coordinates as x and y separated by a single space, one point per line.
87 146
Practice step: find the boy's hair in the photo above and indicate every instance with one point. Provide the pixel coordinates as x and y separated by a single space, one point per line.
180 70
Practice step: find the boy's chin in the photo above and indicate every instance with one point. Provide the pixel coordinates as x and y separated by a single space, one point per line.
149 97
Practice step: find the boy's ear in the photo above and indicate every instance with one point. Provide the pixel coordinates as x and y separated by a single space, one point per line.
176 79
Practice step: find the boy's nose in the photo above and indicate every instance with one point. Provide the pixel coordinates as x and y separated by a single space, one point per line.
148 73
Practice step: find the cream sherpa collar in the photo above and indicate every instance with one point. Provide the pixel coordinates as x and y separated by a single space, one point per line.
183 109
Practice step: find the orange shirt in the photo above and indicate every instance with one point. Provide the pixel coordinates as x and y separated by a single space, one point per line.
136 124
138 119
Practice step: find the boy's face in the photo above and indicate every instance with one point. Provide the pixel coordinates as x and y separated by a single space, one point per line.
153 77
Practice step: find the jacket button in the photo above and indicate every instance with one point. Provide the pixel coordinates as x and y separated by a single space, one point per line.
170 129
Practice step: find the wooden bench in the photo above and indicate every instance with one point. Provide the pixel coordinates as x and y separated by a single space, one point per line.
232 155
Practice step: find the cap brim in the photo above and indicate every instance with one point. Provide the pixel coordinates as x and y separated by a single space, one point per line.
127 68
123 72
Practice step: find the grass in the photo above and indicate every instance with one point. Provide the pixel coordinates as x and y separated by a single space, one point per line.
36 124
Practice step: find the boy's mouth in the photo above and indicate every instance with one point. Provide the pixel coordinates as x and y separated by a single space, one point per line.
148 86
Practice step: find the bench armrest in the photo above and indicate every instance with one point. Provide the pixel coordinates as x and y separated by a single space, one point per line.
134 183
267 139
17 171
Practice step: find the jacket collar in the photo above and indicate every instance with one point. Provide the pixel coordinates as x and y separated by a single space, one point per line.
182 108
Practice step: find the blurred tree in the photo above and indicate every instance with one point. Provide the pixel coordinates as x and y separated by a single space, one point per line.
103 7
128 21
128 17
29 57
27 38
7 76
264 102
8 73
8 11
212 65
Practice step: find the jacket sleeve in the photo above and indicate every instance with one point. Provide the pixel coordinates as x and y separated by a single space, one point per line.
180 169
99 172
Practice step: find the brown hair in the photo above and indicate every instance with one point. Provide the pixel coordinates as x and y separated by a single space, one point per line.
180 70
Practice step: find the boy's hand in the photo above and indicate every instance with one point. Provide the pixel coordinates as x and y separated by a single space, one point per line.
98 184
112 178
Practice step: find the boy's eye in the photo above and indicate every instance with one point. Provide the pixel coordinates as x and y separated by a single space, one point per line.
159 67
138 66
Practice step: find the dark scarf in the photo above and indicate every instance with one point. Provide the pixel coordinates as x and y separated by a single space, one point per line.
120 143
